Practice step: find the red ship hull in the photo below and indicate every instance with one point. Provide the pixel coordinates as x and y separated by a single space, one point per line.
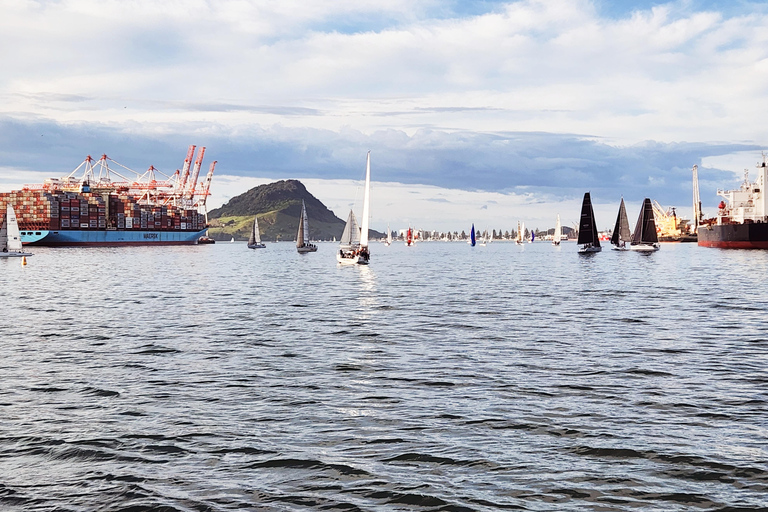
734 236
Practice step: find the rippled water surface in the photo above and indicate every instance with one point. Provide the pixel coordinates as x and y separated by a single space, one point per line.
442 377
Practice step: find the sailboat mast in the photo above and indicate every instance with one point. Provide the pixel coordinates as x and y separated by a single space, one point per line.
366 203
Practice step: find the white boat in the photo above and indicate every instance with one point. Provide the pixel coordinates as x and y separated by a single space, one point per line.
389 236
557 236
353 249
302 238
645 238
520 233
254 241
621 235
589 240
10 239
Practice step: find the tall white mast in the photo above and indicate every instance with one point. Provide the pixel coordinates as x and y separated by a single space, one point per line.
366 203
696 200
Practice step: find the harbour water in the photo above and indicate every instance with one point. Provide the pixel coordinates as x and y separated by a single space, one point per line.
442 377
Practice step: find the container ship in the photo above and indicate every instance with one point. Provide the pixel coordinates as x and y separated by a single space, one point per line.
742 215
102 207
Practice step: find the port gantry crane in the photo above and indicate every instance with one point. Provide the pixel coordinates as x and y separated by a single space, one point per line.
97 176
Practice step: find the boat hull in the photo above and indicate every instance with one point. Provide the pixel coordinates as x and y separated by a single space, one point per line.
14 254
257 246
109 238
306 249
645 247
734 236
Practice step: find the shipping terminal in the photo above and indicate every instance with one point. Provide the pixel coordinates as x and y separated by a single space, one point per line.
99 205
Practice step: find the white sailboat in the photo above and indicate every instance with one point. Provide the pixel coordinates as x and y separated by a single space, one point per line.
254 241
389 236
520 233
354 241
302 238
10 239
557 236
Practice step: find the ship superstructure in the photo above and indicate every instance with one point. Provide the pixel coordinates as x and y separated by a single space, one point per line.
102 202
742 215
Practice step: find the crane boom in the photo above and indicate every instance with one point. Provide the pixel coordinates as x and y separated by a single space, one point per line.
206 188
185 169
195 173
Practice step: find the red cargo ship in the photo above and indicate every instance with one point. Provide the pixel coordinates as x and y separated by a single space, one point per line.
742 222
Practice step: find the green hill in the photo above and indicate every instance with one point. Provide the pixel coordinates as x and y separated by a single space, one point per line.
278 207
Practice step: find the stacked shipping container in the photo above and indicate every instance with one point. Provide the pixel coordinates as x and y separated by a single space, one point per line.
38 210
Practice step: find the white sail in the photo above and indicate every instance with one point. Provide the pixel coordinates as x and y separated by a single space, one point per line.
558 230
305 222
12 233
351 235
254 240
366 203
389 235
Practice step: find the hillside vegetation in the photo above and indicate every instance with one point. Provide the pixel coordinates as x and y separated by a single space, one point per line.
278 207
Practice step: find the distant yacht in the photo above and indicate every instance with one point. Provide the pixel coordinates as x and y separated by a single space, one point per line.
354 240
645 238
588 241
254 241
557 236
302 238
621 235
10 238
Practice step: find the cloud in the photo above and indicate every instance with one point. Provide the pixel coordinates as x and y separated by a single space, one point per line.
540 166
670 72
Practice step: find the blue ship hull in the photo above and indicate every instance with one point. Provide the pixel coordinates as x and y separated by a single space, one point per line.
108 238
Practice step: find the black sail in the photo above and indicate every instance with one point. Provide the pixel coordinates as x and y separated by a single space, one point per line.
587 227
645 230
621 229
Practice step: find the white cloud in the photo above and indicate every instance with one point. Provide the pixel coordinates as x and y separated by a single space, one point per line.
665 73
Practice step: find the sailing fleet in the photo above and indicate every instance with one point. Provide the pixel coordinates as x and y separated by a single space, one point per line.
354 244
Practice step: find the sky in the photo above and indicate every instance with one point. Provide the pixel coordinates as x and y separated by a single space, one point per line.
477 111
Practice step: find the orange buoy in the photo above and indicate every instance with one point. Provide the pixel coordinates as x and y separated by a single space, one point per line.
23 260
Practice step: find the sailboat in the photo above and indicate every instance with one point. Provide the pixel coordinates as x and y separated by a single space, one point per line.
588 240
533 237
621 235
645 238
389 236
520 232
409 237
558 234
354 240
10 238
302 238
472 240
254 241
